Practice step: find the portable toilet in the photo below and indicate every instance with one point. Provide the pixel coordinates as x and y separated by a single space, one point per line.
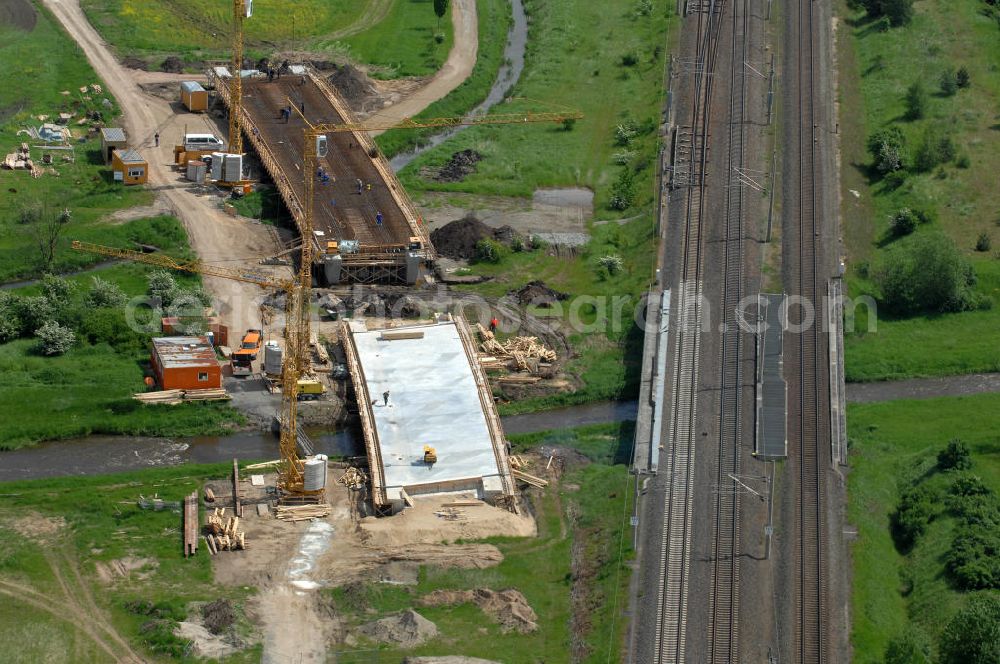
112 138
194 97
129 167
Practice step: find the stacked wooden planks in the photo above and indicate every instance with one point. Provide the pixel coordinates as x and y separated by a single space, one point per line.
190 525
529 479
516 353
174 397
353 478
223 532
296 513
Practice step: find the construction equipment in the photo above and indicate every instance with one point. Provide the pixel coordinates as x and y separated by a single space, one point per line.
310 390
297 364
243 357
242 9
430 455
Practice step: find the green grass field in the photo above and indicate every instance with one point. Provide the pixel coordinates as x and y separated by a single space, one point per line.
892 445
876 69
100 522
591 520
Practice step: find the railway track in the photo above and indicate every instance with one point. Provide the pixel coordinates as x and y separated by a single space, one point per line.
675 553
809 423
724 615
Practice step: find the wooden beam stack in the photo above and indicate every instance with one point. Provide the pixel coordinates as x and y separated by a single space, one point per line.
295 513
174 397
190 525
224 533
517 353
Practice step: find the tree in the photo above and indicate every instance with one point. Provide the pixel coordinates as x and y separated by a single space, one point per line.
936 148
949 82
916 508
916 101
440 9
162 286
888 149
903 222
910 647
955 456
10 317
962 78
972 636
55 339
926 273
58 291
899 12
33 312
623 191
105 294
46 230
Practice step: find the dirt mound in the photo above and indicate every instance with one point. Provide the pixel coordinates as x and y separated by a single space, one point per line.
172 65
18 14
203 642
133 62
353 85
461 164
507 607
407 629
448 659
218 615
536 293
458 239
323 65
123 568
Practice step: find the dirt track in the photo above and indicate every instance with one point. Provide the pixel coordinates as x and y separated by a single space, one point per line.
214 236
456 68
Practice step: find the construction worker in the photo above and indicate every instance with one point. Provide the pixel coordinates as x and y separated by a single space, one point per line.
385 398
302 107
493 324
378 218
368 187
361 186
156 139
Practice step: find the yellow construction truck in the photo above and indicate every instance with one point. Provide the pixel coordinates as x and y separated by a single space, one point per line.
243 357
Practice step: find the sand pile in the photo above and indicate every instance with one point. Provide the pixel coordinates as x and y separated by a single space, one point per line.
407 629
353 85
507 607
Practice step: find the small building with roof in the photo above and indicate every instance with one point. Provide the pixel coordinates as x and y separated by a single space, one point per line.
194 96
187 363
112 138
129 167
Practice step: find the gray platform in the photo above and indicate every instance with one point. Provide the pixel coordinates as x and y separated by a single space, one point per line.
771 441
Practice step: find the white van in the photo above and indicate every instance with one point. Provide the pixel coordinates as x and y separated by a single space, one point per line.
202 143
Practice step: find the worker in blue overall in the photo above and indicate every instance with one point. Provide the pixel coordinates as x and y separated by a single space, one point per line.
378 218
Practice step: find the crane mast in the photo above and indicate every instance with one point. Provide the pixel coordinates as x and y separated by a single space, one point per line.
241 9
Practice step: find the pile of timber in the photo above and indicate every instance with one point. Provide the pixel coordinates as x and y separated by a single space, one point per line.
174 397
223 533
517 462
517 353
353 478
190 528
529 479
296 513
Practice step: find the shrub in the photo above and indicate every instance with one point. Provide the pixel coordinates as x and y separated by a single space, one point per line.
33 312
936 148
611 263
644 8
899 12
983 242
162 286
972 636
108 325
948 82
910 647
535 242
54 339
962 78
568 124
10 317
963 161
926 273
624 133
903 222
974 558
489 251
916 101
58 291
888 149
916 508
623 191
630 59
105 294
517 244
955 456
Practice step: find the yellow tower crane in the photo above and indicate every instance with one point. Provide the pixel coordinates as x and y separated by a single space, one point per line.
297 332
242 9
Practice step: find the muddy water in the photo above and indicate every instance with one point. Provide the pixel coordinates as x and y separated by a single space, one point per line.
95 455
507 76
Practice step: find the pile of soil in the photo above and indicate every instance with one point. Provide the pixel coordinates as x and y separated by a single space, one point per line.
353 85
218 616
172 65
383 305
508 607
461 164
407 629
536 293
458 239
18 14
132 62
323 65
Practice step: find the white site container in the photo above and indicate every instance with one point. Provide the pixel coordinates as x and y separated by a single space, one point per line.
315 473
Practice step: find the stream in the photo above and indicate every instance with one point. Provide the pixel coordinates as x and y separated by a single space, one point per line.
96 455
507 76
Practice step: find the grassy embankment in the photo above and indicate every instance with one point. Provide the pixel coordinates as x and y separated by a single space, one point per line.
401 43
876 68
569 63
54 529
893 448
87 389
581 551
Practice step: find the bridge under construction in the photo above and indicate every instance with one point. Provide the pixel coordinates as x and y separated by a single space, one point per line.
364 227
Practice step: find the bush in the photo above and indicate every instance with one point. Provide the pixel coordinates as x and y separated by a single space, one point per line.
624 133
903 222
916 508
983 242
936 148
623 191
611 263
489 251
54 339
962 78
630 59
10 317
972 636
916 101
949 82
963 161
955 456
58 291
33 312
926 273
910 647
568 124
105 294
158 635
162 286
899 12
974 558
108 325
888 149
